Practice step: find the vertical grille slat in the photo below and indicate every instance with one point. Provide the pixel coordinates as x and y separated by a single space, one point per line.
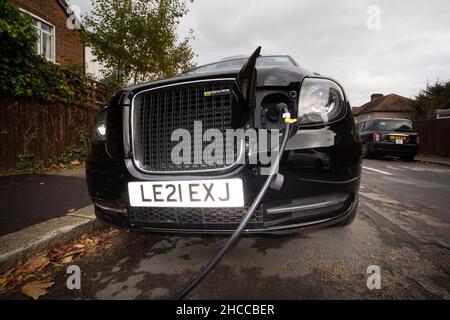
162 110
156 126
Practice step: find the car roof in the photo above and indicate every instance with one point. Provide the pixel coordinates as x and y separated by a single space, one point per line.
403 119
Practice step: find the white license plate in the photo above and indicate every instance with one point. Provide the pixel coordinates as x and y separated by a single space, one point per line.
189 193
398 141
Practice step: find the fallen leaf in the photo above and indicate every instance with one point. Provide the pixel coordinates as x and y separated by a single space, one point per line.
37 289
75 162
7 273
33 264
79 246
72 252
29 276
67 259
56 264
113 232
55 253
94 242
71 210
43 253
338 272
91 243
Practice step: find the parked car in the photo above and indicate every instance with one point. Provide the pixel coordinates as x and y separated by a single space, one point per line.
135 183
388 137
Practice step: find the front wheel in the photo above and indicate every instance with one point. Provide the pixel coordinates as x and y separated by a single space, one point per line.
349 219
365 151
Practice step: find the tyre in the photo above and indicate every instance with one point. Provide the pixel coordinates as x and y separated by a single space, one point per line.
349 219
408 158
365 151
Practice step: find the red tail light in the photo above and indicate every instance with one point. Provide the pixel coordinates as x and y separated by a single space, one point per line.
376 137
417 140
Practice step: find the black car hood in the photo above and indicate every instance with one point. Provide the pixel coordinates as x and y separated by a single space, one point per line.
266 76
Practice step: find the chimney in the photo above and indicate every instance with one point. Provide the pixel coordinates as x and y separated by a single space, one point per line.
374 96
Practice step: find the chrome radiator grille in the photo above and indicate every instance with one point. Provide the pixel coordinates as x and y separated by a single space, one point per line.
159 111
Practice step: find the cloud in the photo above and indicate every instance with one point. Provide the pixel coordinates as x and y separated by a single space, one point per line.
332 38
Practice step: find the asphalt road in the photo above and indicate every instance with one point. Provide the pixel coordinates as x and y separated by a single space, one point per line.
403 226
28 199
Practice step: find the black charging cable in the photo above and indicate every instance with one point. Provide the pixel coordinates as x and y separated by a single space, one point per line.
237 233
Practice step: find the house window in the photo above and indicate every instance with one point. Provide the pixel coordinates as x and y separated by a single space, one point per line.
45 43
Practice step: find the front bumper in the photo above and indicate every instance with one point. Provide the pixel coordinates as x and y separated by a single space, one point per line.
312 215
390 148
311 196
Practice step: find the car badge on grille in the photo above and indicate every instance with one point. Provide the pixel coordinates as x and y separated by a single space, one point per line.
216 92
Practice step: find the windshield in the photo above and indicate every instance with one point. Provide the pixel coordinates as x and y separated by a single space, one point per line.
238 63
393 125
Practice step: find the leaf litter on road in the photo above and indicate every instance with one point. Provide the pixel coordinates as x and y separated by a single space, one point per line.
36 289
30 274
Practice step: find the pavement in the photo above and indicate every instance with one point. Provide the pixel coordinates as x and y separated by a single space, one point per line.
402 226
42 210
29 199
443 161
18 246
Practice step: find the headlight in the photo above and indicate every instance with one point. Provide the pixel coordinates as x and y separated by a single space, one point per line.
320 101
99 134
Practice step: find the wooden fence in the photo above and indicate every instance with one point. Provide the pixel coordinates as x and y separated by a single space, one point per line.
40 130
97 95
434 136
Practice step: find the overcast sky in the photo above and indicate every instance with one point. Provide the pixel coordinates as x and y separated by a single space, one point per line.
409 46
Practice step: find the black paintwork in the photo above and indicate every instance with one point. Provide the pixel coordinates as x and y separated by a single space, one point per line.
320 162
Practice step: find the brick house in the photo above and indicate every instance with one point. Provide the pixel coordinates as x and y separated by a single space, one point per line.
56 41
380 106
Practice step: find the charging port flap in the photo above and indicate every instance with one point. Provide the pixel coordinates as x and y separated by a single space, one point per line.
247 77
